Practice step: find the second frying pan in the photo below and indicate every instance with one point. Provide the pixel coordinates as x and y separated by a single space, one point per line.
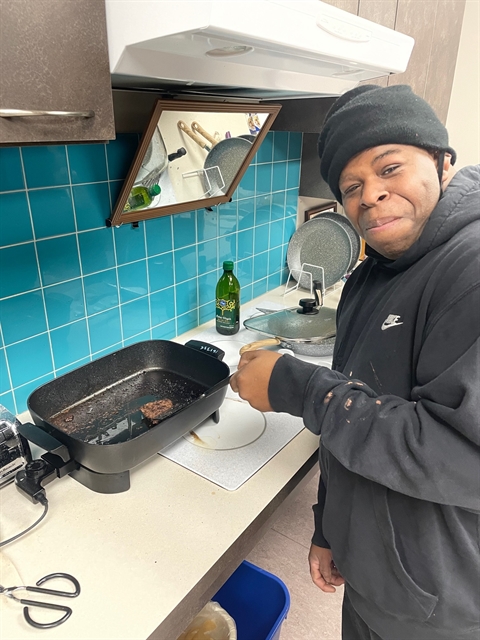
308 335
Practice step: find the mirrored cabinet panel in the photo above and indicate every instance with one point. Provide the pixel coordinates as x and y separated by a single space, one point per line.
192 155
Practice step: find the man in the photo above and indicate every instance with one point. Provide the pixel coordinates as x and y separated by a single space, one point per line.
398 507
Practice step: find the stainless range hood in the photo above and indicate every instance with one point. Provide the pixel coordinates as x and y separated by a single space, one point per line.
261 50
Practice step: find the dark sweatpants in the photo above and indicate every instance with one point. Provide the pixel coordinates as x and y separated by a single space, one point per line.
353 627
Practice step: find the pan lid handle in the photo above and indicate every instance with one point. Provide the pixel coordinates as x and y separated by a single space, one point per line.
308 306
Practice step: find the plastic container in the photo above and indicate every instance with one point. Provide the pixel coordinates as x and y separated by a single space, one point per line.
141 197
212 623
257 600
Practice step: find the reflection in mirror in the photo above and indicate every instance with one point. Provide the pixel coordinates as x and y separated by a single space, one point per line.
191 155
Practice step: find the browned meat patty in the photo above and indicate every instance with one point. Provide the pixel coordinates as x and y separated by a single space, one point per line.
157 409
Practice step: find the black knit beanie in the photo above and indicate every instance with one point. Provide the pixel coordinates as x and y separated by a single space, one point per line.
369 116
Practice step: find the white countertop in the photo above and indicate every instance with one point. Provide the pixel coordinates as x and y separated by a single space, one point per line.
147 559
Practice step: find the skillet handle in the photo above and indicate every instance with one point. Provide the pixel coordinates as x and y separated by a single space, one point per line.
217 387
44 440
209 349
259 344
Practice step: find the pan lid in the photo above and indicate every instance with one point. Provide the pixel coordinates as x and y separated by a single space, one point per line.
287 324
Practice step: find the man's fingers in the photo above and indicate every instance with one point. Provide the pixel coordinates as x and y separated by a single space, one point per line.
322 584
326 572
247 357
336 578
319 579
233 383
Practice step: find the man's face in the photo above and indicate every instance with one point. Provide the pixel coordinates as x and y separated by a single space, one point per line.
388 195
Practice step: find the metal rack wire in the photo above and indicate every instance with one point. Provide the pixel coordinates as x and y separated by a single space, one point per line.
303 271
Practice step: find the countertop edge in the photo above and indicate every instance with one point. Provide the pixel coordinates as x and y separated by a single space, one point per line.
180 617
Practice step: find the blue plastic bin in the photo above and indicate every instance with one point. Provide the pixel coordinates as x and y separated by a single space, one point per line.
257 600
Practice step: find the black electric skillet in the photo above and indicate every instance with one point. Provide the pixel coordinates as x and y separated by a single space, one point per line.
99 421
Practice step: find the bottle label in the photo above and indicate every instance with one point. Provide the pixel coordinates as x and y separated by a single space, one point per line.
226 313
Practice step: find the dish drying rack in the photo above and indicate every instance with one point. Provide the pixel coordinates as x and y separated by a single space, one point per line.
212 190
303 271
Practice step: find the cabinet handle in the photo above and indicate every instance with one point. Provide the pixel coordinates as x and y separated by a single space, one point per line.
25 113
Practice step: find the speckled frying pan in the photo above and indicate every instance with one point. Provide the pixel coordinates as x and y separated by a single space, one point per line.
228 155
308 335
323 243
353 235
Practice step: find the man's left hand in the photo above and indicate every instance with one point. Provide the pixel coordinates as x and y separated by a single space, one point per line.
323 570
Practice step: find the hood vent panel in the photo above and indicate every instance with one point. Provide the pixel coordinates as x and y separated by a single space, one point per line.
267 49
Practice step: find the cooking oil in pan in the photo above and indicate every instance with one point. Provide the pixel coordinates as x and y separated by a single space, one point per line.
128 409
128 425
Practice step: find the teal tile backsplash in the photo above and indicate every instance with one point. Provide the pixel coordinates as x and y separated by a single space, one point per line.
72 289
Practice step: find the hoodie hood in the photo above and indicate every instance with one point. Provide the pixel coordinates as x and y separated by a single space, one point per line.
457 208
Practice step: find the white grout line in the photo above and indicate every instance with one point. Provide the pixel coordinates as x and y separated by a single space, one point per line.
175 316
7 366
82 280
114 253
38 265
148 277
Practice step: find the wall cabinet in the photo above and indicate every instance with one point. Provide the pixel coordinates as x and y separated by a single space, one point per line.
54 57
436 26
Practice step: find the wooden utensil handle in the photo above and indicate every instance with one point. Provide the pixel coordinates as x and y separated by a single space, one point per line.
186 129
199 129
259 344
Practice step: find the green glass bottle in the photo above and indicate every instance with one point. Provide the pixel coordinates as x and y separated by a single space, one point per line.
227 316
141 197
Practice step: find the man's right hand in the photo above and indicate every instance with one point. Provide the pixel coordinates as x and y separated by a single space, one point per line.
323 570
252 378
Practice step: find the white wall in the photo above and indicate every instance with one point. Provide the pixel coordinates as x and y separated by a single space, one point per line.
463 120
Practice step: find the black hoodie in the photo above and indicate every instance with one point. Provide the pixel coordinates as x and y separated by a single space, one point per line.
399 499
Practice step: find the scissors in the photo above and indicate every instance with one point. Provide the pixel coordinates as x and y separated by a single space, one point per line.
10 592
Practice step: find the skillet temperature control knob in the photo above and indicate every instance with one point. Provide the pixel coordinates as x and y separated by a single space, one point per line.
35 469
308 306
31 480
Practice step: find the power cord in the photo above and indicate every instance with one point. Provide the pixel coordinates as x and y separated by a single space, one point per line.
43 500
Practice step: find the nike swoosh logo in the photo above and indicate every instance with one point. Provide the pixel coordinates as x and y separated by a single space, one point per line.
387 325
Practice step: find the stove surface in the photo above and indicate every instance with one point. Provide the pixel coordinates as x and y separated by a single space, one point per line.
239 425
232 467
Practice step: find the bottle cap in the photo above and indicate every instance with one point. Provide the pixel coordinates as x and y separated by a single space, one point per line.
155 190
228 265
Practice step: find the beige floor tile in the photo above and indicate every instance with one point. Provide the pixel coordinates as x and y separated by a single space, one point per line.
296 519
313 615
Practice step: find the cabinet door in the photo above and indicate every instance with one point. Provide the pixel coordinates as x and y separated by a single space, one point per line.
346 5
54 57
382 12
443 58
416 19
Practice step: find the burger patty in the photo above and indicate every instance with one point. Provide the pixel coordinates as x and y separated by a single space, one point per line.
157 409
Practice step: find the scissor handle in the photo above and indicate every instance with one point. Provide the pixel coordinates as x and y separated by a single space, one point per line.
53 592
45 605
